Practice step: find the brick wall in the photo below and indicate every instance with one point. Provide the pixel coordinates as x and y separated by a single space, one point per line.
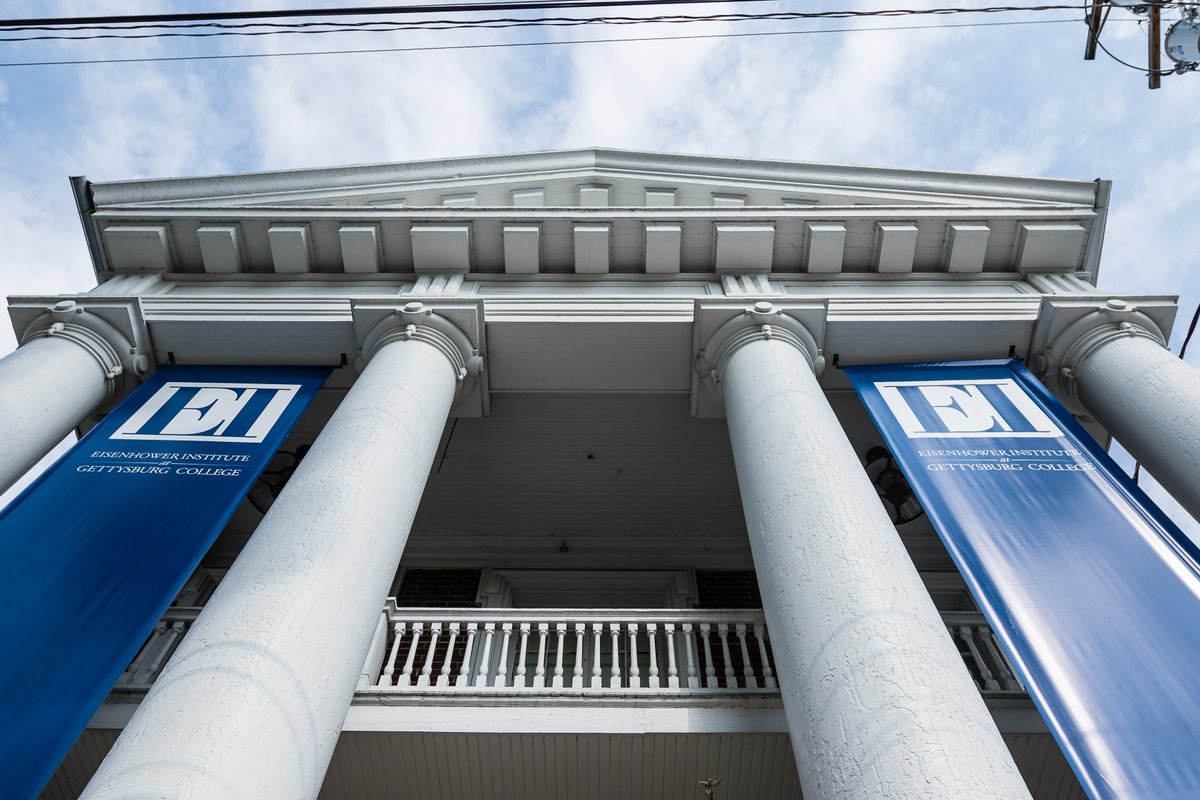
438 588
435 588
727 588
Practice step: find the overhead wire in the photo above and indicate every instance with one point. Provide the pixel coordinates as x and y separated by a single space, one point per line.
348 11
1143 70
149 20
443 24
500 45
1190 332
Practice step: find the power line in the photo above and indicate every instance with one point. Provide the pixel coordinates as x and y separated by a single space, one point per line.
537 22
1190 331
496 45
1143 70
350 11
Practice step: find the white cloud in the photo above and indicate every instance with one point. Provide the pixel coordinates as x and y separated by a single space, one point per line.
153 121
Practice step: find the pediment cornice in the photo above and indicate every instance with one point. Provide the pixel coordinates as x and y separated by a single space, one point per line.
593 212
793 182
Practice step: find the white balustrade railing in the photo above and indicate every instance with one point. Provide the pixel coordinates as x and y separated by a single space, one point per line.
546 650
981 653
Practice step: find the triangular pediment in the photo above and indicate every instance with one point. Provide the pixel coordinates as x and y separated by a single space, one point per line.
594 212
596 177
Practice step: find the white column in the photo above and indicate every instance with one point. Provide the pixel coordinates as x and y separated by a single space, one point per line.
47 387
878 703
1150 400
252 703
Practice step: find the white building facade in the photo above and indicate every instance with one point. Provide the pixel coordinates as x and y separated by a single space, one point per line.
582 510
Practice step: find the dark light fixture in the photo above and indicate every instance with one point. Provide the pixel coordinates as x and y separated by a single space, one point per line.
892 487
272 480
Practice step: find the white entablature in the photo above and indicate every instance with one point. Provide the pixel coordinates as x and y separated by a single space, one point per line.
595 212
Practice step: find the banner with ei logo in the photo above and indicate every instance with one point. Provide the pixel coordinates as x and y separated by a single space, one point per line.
1093 593
95 549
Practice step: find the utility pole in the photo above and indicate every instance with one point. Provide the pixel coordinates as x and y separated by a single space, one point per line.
1154 42
1097 14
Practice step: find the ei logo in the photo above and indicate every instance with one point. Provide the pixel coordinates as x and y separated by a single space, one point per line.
966 409
209 412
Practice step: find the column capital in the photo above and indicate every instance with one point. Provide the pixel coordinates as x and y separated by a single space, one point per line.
1070 332
122 361
453 328
723 327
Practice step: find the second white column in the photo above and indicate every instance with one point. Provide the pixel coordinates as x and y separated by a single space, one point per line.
252 703
878 703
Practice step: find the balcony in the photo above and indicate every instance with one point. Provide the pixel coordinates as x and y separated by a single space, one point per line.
524 654
612 702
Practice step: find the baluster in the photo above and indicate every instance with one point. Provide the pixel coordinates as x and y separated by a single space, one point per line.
172 636
747 668
464 671
760 634
519 676
444 675
435 630
561 629
651 633
539 669
672 668
597 679
967 635
635 672
131 671
406 674
1007 679
502 665
489 630
385 679
710 670
614 681
730 675
689 644
577 673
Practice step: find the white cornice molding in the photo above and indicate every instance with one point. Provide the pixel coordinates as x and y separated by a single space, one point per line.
467 240
566 341
521 167
313 330
160 213
947 308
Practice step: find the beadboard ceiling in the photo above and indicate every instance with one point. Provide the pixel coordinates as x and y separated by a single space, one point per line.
533 766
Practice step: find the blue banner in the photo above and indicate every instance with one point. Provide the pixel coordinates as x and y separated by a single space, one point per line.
1092 591
95 549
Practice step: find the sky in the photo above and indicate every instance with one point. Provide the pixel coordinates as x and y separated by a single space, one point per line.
996 98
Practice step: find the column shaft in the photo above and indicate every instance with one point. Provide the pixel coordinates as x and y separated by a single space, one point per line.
878 703
47 387
252 703
1150 400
